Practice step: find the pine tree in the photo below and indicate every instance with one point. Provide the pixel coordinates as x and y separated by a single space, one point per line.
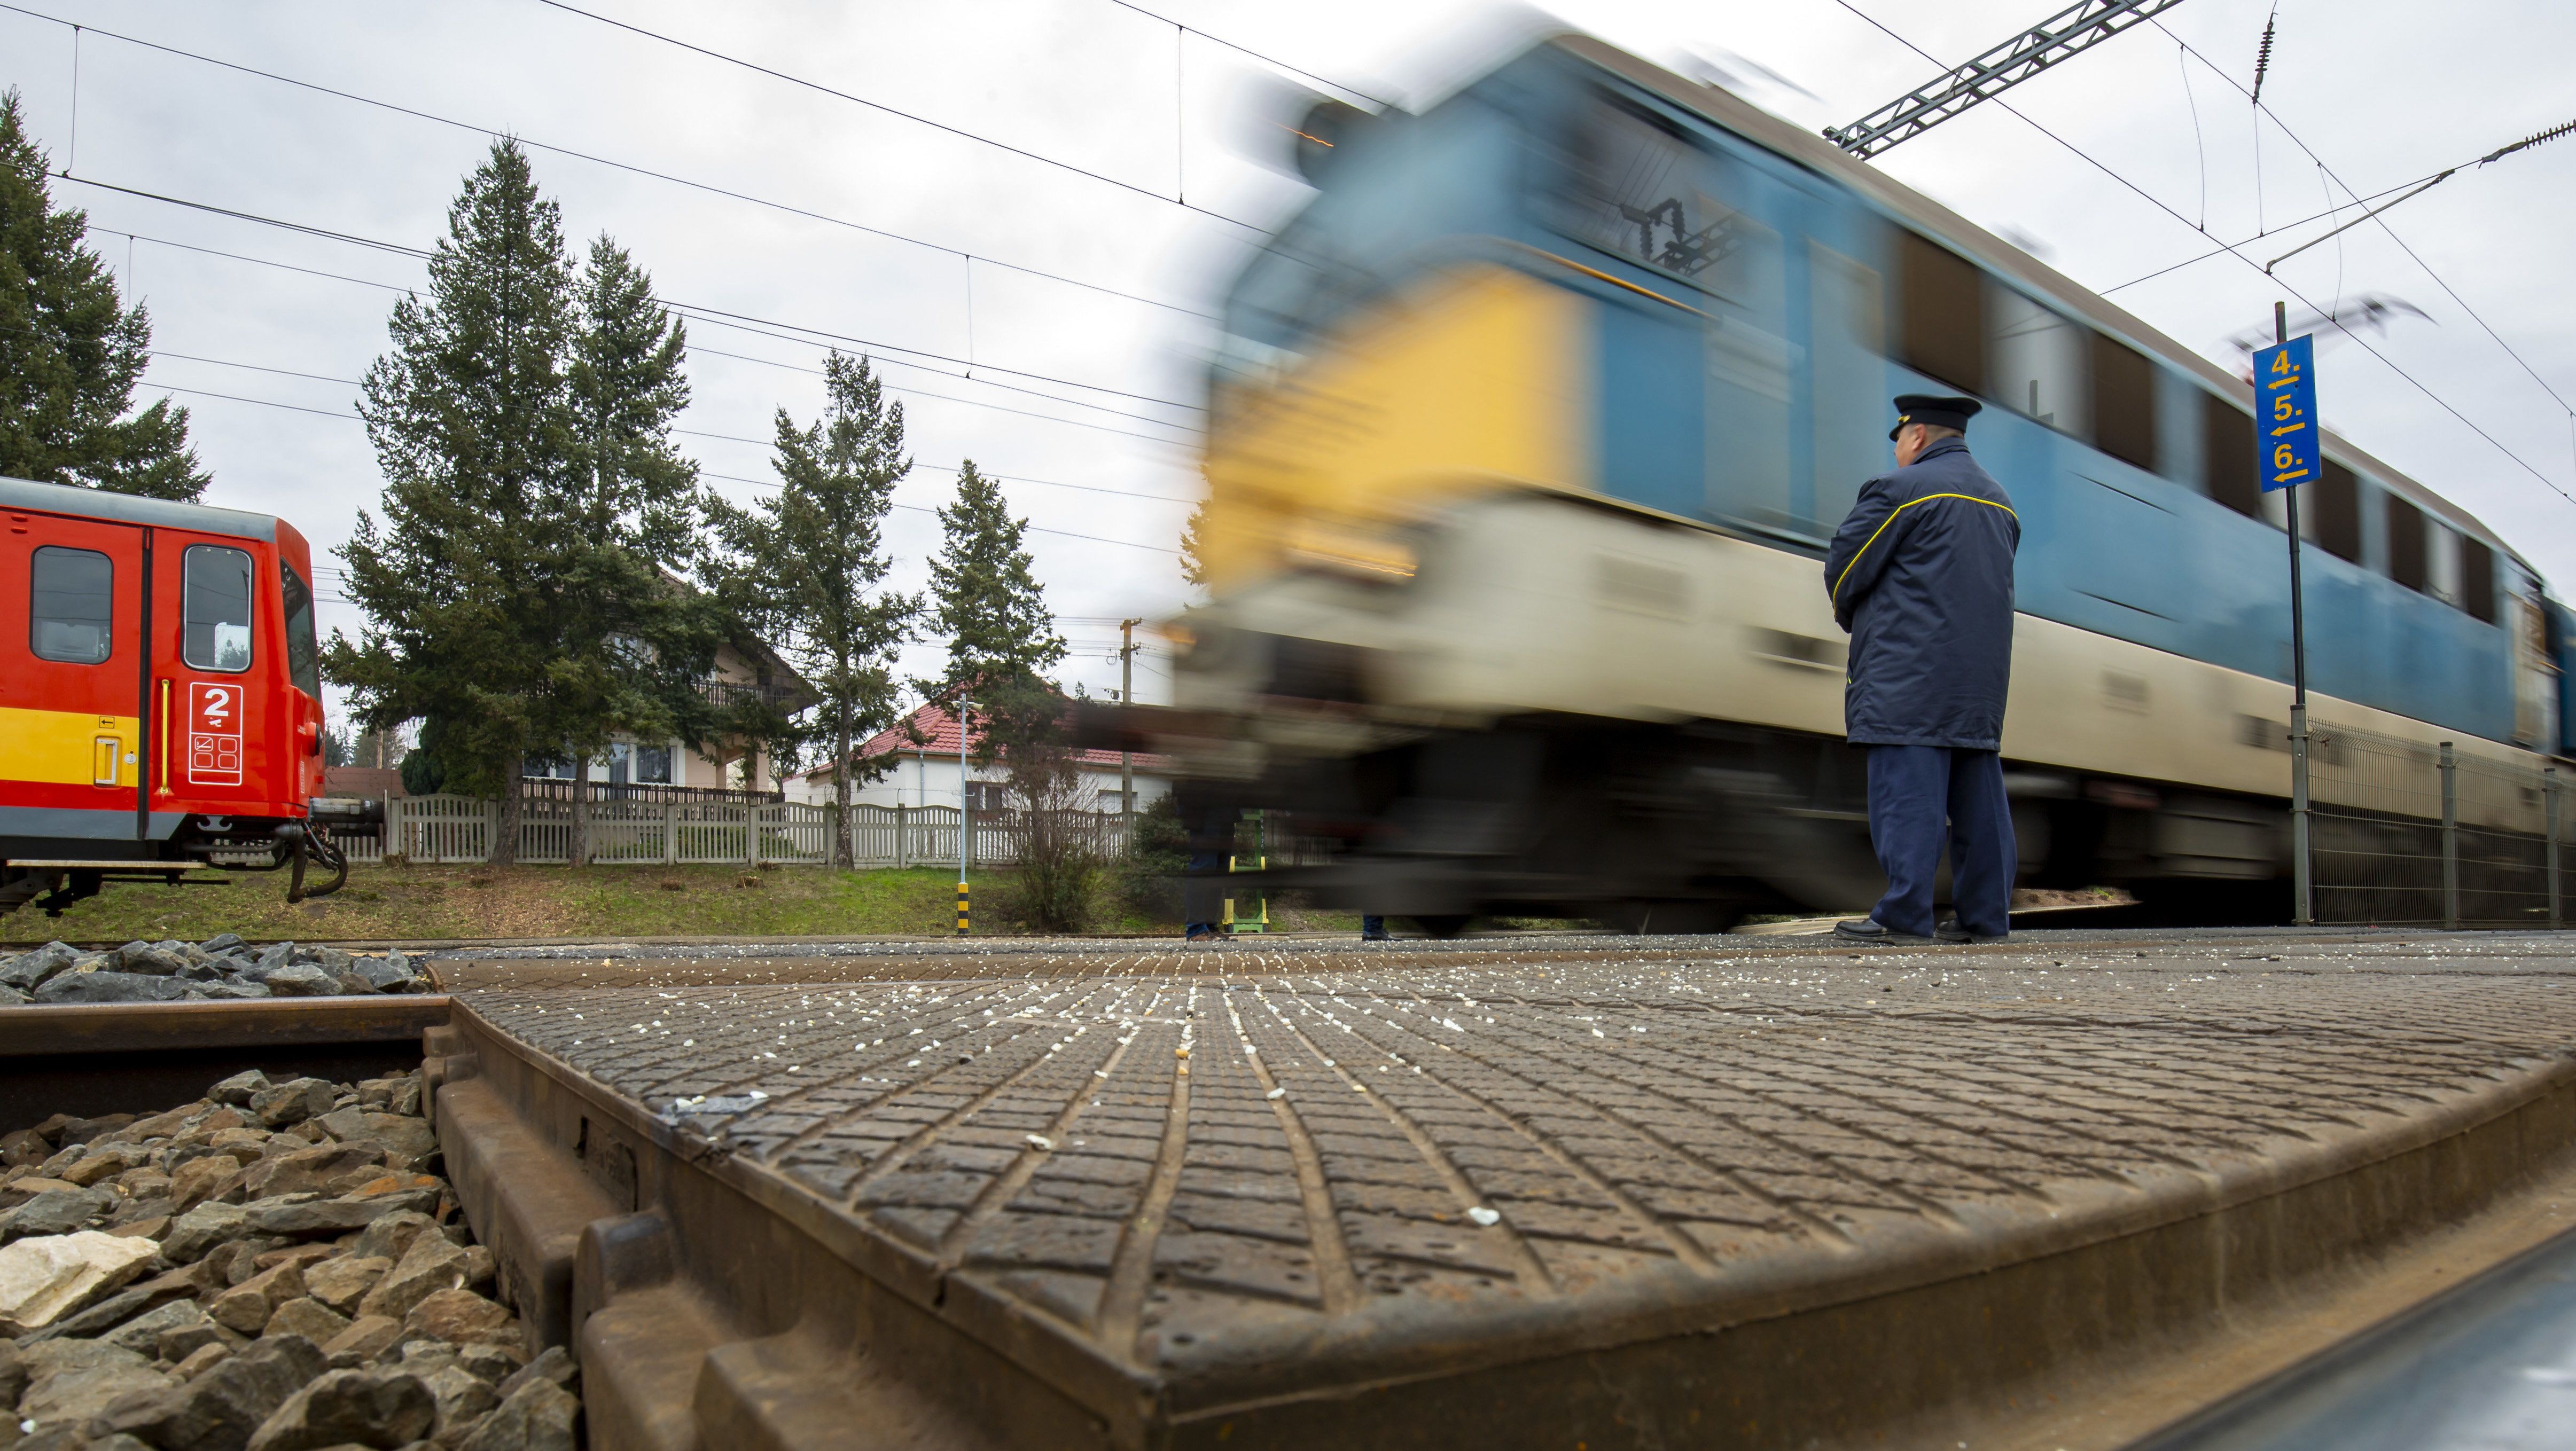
70 354
1001 636
472 418
1194 543
633 643
808 567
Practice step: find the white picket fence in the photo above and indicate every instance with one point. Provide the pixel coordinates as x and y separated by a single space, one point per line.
461 829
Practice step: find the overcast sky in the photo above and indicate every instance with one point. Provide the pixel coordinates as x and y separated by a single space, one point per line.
2384 92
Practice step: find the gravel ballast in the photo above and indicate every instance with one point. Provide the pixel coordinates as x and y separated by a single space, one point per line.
219 968
277 1266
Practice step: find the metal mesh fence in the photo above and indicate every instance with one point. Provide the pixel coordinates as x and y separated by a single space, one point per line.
2408 833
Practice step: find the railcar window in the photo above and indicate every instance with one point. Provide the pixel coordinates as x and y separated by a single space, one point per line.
71 605
1637 188
1942 330
2038 362
2335 503
2124 403
303 657
2405 543
217 636
2229 431
2477 580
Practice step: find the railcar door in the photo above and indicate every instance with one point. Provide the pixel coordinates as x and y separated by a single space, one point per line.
72 613
215 674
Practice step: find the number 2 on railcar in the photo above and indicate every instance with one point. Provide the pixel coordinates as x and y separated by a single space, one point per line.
161 709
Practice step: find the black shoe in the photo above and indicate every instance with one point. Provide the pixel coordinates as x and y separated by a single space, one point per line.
1952 932
1870 929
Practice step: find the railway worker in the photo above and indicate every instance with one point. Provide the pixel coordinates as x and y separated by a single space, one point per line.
1921 576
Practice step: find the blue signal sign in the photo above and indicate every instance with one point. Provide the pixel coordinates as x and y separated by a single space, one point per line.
2289 447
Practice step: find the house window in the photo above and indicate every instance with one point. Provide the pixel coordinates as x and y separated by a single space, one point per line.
2124 403
69 605
653 765
2229 456
1941 333
547 768
2335 502
2405 543
986 798
217 581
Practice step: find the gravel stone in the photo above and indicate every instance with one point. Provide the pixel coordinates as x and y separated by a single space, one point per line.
214 1177
539 1416
376 1408
69 1381
459 1317
47 1277
222 942
221 1407
237 1090
77 986
309 1170
391 1237
152 959
341 1283
246 1306
58 1211
431 1264
309 1318
299 980
291 1102
367 1337
463 1397
28 970
553 1365
144 1332
406 1140
332 1216
202 1228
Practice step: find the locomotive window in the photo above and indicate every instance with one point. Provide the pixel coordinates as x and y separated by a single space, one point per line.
1638 189
2124 403
303 657
1942 330
2337 500
2229 457
2039 362
69 605
2477 580
218 609
2405 543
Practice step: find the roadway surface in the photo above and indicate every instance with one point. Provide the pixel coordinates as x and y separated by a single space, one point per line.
1469 1184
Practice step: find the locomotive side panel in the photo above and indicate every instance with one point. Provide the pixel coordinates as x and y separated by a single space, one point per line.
71 610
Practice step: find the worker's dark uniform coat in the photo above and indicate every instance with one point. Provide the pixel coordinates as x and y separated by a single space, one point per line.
1921 574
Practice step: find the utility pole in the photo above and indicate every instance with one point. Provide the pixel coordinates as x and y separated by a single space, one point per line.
2291 454
963 705
1127 758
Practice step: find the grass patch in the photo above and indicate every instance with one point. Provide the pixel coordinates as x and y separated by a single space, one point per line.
448 902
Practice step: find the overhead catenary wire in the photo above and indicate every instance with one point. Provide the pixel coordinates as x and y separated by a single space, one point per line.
699 312
723 320
928 509
2538 138
629 167
2159 204
820 88
1270 60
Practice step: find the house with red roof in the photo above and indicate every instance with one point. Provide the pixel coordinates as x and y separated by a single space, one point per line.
925 772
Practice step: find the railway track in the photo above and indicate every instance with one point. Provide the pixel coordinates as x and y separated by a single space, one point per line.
1584 1191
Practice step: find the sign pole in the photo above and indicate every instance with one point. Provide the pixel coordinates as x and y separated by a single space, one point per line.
2295 456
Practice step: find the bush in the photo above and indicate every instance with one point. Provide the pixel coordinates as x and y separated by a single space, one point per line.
1062 864
1157 857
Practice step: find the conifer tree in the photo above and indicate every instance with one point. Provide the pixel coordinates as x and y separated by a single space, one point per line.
472 418
634 643
809 565
1001 636
70 353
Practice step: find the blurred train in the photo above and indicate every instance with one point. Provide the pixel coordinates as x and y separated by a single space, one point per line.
1529 433
161 698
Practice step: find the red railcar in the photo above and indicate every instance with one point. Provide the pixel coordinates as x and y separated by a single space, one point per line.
160 695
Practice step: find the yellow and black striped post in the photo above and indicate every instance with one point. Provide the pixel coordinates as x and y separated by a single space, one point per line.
961 909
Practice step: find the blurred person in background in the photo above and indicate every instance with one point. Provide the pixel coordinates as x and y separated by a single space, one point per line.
1921 576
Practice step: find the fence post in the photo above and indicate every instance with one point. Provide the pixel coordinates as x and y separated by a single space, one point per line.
670 833
902 836
2549 794
2450 836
